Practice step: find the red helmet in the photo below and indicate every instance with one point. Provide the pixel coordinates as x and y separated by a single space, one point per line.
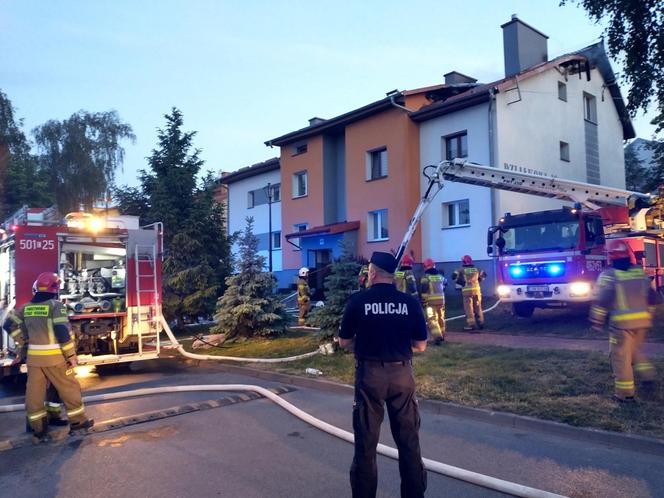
466 260
46 282
428 263
618 249
407 261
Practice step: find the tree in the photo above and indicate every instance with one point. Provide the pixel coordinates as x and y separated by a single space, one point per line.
248 307
199 258
170 185
635 35
21 180
635 171
196 247
81 155
339 285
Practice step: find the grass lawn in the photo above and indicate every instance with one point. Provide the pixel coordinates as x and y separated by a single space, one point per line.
565 386
566 322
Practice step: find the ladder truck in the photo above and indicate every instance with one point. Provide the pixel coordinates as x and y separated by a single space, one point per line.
552 258
111 281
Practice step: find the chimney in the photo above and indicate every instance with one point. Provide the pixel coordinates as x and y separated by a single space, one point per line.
523 46
316 121
456 78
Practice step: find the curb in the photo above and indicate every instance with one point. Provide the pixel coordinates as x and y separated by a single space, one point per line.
630 442
62 435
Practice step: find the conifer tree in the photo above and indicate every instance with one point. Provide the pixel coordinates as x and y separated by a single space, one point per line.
248 307
339 285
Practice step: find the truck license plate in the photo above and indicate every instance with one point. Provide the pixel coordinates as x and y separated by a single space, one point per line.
538 288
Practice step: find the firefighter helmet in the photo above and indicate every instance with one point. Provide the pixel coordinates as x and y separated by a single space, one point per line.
304 271
466 260
428 263
618 249
407 261
46 282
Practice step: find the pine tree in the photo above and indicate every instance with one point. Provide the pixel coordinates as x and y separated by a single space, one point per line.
248 307
339 285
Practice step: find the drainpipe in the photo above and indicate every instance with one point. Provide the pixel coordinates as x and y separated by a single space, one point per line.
492 162
393 95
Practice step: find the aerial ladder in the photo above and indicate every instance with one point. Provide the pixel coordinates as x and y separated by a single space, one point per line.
585 194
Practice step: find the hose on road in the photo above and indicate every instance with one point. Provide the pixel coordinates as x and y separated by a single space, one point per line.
458 317
475 478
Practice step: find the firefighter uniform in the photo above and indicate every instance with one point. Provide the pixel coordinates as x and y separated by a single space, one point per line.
363 278
405 281
383 324
468 277
303 298
432 290
623 301
43 325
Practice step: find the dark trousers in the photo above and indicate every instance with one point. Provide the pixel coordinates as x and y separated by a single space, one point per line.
378 385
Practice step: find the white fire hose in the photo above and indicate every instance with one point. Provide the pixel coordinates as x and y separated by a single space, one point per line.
431 465
464 316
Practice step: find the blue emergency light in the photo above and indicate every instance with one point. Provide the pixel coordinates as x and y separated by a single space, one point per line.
554 269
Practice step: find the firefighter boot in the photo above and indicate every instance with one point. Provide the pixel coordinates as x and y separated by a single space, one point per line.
81 428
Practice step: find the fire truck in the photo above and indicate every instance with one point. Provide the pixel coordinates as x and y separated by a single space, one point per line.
553 258
110 268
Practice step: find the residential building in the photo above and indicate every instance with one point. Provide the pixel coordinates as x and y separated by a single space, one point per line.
247 191
357 178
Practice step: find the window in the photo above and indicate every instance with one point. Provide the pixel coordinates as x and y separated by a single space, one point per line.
456 146
250 200
377 225
456 213
300 227
377 164
300 184
276 240
276 192
562 91
300 148
589 108
564 151
594 229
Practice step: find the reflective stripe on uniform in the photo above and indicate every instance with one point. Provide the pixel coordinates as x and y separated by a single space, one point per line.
644 366
36 415
598 310
15 319
44 349
68 345
36 310
61 319
625 385
16 333
76 411
613 340
636 315
52 407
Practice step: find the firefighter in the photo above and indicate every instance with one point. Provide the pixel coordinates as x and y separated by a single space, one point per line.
363 278
624 296
404 278
432 290
43 325
468 278
303 298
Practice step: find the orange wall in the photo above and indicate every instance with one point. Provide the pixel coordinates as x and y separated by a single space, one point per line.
398 192
307 209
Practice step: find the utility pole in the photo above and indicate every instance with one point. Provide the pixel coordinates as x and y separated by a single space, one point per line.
268 190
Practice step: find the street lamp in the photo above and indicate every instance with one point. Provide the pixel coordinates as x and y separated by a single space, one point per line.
269 191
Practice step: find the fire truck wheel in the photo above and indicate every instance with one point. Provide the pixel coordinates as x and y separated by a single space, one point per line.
524 310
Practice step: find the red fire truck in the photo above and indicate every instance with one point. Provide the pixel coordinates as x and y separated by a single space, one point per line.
111 280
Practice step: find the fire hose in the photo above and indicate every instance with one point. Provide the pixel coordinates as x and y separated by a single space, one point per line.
431 465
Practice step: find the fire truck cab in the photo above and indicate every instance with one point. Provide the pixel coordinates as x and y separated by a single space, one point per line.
111 281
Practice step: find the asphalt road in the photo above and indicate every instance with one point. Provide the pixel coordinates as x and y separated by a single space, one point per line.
255 449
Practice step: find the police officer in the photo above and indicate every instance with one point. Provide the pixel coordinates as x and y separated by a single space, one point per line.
468 277
404 278
432 290
625 293
384 327
51 357
303 298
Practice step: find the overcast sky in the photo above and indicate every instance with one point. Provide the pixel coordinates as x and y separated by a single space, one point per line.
243 72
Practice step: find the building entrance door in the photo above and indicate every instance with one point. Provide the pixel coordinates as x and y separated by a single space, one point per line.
320 260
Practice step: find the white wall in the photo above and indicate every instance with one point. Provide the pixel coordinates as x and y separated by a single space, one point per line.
238 211
451 244
529 134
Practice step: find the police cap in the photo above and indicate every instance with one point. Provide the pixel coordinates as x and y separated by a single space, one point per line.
384 260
